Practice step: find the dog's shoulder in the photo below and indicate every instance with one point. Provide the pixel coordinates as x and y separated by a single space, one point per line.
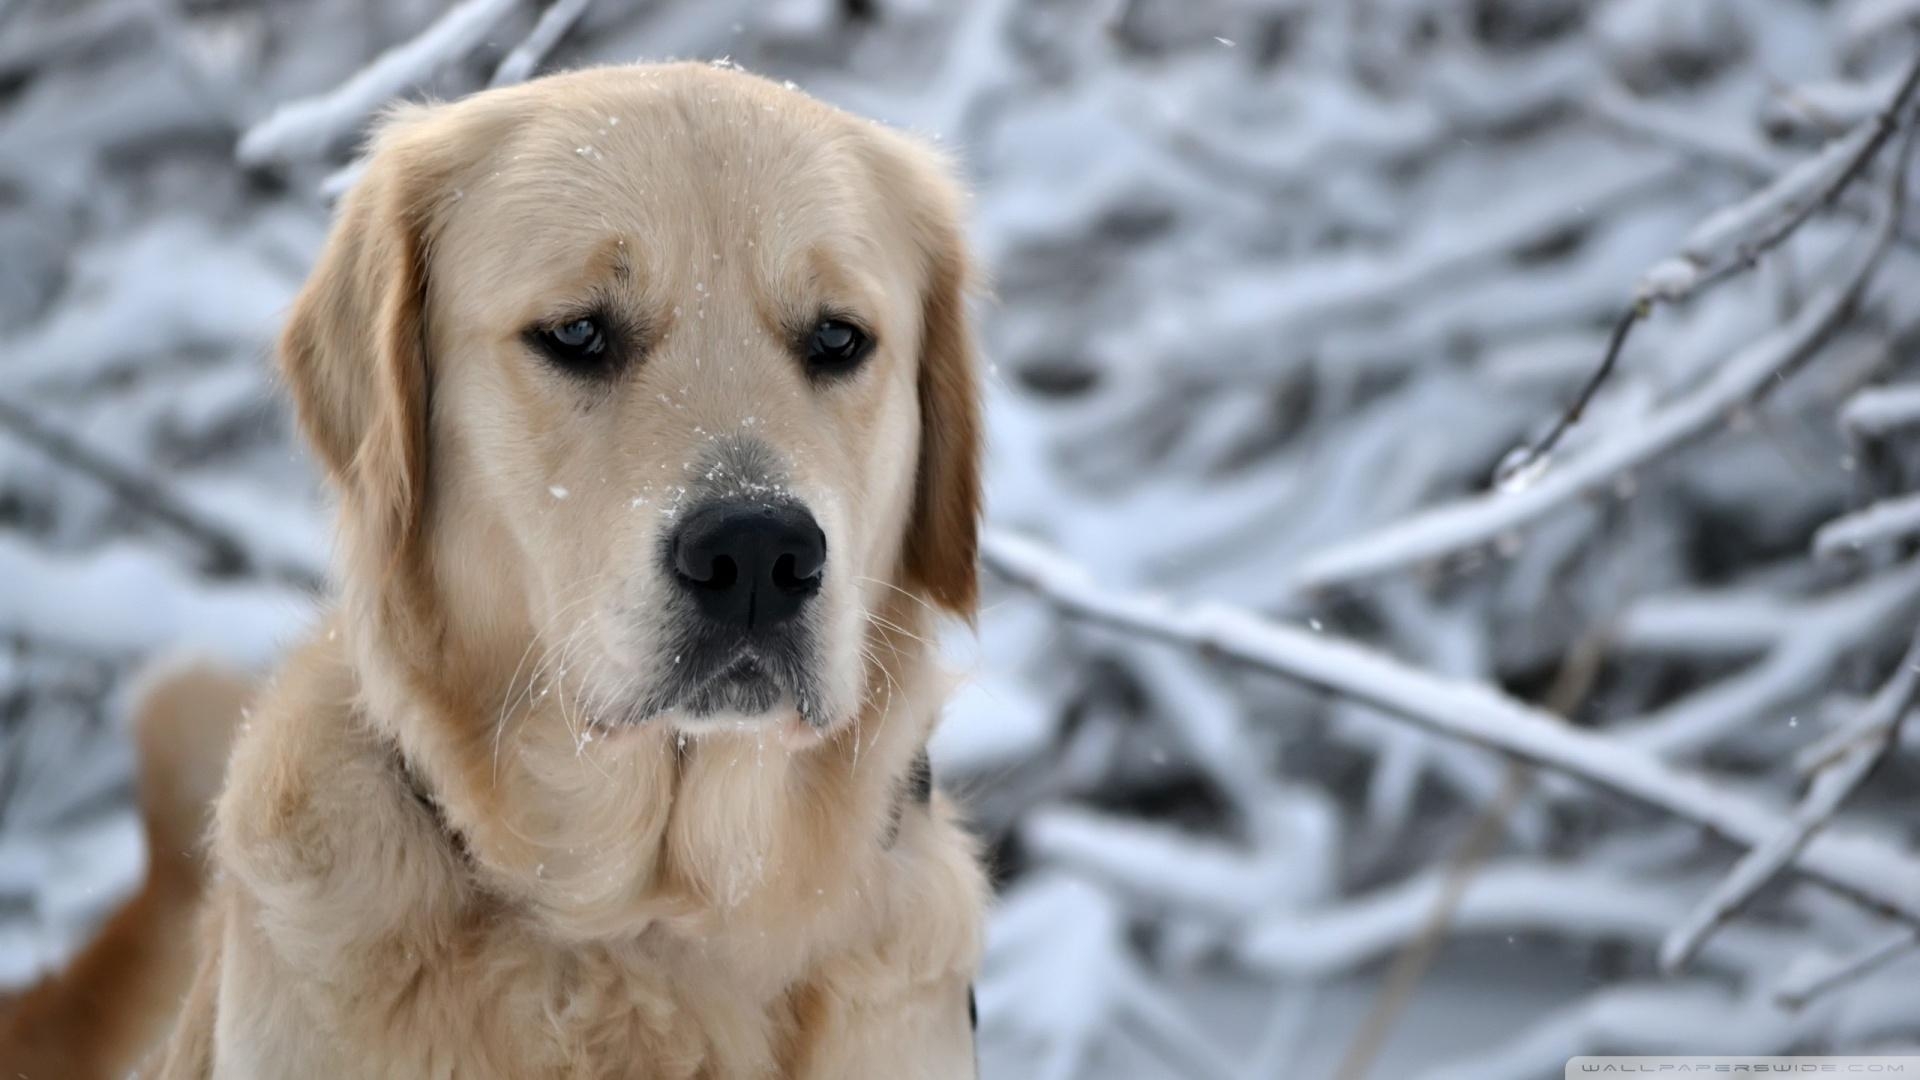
317 813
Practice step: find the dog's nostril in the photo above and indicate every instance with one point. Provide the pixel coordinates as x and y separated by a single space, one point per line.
749 564
787 575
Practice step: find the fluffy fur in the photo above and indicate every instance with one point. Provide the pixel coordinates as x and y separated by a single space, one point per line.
438 854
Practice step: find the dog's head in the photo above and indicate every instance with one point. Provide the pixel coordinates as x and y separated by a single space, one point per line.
657 378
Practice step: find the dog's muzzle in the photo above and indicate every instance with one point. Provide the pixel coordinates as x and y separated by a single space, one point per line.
746 569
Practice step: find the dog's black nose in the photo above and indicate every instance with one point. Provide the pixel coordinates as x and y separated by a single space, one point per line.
749 565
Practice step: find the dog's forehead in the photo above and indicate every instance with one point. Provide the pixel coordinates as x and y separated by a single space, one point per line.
662 170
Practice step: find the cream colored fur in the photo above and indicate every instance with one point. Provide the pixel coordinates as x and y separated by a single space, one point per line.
574 898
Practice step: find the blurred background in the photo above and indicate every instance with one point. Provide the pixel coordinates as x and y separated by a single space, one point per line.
1279 285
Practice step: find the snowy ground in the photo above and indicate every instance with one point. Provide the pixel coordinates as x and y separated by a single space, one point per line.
1280 285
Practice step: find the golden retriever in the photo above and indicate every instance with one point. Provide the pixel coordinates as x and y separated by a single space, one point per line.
648 394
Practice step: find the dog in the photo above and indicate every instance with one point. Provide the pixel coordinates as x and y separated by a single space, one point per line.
648 394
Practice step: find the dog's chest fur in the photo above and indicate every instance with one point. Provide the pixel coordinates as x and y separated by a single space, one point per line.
490 1005
354 918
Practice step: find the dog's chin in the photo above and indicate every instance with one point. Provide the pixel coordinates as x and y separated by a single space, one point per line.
745 694
783 723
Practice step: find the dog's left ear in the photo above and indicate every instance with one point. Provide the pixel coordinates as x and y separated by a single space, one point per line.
941 555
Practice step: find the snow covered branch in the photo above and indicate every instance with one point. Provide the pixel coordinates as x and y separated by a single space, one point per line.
1730 241
1864 868
1798 988
1278 283
310 127
1879 726
226 554
1882 409
1884 522
519 65
1540 488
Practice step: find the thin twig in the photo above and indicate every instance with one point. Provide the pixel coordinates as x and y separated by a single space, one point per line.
1737 381
1412 963
1877 410
1528 457
1570 686
1874 135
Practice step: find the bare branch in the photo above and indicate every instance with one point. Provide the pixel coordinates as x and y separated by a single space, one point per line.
1571 685
1729 242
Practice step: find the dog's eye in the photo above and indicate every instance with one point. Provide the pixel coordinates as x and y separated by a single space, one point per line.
578 345
835 346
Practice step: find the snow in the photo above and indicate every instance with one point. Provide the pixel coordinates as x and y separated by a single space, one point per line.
1738 230
990 722
136 601
1262 628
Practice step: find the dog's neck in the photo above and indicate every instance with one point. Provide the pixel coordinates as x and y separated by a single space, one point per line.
726 834
917 792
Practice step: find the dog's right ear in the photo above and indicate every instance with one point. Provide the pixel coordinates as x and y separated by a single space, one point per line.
354 350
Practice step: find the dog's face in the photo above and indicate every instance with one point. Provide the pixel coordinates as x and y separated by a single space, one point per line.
659 377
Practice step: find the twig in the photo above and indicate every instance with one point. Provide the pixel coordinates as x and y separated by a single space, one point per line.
1795 991
1873 724
1570 687
1480 518
226 554
1830 788
1517 464
1863 868
1412 962
1714 256
309 126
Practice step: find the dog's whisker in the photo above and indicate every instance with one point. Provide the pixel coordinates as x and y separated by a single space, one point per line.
889 625
915 597
510 700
